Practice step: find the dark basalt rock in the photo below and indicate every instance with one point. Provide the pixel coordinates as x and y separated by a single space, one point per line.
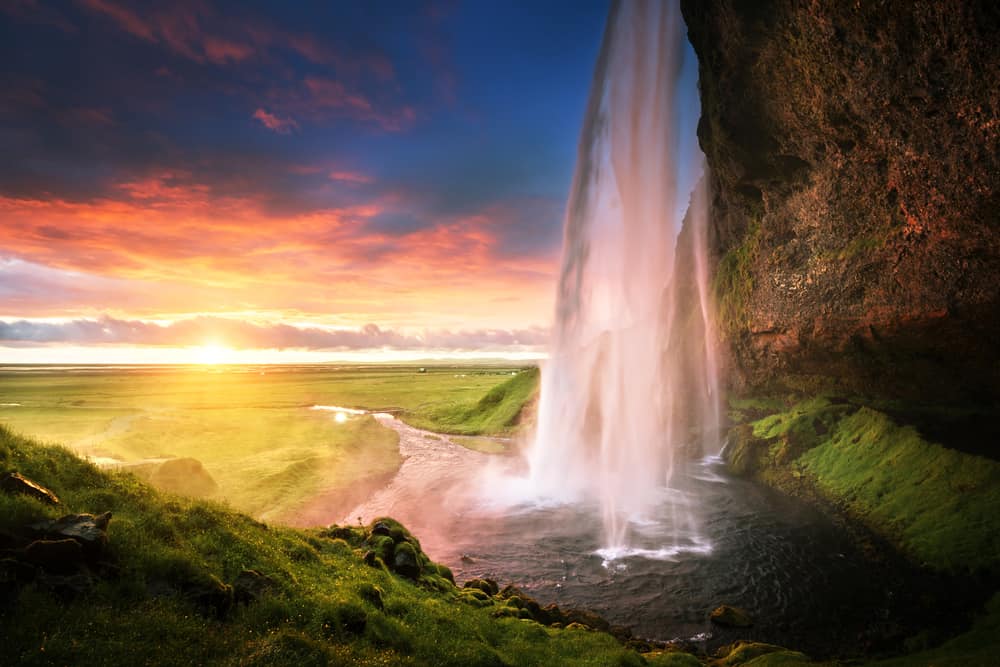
15 483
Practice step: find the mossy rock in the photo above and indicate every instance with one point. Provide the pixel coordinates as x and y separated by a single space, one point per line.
751 653
731 617
405 561
487 586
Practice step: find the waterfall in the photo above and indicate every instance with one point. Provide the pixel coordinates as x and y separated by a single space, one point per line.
629 392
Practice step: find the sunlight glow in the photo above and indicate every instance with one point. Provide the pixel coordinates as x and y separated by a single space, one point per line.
213 354
340 417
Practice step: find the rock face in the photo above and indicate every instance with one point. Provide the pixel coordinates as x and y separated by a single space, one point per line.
854 151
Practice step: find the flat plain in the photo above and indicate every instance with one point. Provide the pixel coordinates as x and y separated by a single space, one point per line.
249 435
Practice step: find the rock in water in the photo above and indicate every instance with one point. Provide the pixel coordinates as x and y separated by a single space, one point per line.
731 617
14 482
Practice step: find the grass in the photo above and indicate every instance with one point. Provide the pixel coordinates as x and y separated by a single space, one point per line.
251 428
169 555
940 506
498 411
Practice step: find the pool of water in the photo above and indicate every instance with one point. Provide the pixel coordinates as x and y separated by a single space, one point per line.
715 539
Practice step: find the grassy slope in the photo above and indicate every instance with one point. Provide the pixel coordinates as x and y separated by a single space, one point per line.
941 507
166 547
495 412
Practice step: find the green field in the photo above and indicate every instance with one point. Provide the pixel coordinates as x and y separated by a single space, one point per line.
249 434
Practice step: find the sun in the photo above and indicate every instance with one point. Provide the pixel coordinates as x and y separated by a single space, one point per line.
212 353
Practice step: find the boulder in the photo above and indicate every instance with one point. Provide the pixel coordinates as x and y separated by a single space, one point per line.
59 556
405 561
487 586
186 476
586 618
731 617
381 528
89 530
15 483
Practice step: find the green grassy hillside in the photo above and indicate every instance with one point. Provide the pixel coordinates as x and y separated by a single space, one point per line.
168 589
498 411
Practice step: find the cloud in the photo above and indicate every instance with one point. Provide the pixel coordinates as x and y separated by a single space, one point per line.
240 334
272 122
351 177
126 19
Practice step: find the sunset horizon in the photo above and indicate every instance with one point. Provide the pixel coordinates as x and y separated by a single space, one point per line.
288 186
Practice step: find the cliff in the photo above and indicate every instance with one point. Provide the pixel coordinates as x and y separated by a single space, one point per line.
855 178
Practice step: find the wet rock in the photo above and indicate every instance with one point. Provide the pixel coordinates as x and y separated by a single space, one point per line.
59 556
15 483
405 561
731 617
250 585
89 530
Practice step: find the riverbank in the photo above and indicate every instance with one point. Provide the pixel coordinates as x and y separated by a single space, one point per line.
932 509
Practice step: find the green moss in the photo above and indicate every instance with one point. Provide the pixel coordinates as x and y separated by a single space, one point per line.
938 505
941 506
733 283
759 654
673 659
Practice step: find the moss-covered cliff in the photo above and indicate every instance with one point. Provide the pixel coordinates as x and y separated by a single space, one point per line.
855 168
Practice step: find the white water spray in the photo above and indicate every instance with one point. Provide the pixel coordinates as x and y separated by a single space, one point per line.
630 392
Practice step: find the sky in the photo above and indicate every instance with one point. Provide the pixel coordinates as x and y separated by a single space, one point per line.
260 181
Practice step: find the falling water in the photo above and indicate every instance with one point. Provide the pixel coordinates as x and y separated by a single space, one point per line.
629 392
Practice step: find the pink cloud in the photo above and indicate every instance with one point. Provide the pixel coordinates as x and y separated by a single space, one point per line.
220 50
272 122
126 19
351 177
